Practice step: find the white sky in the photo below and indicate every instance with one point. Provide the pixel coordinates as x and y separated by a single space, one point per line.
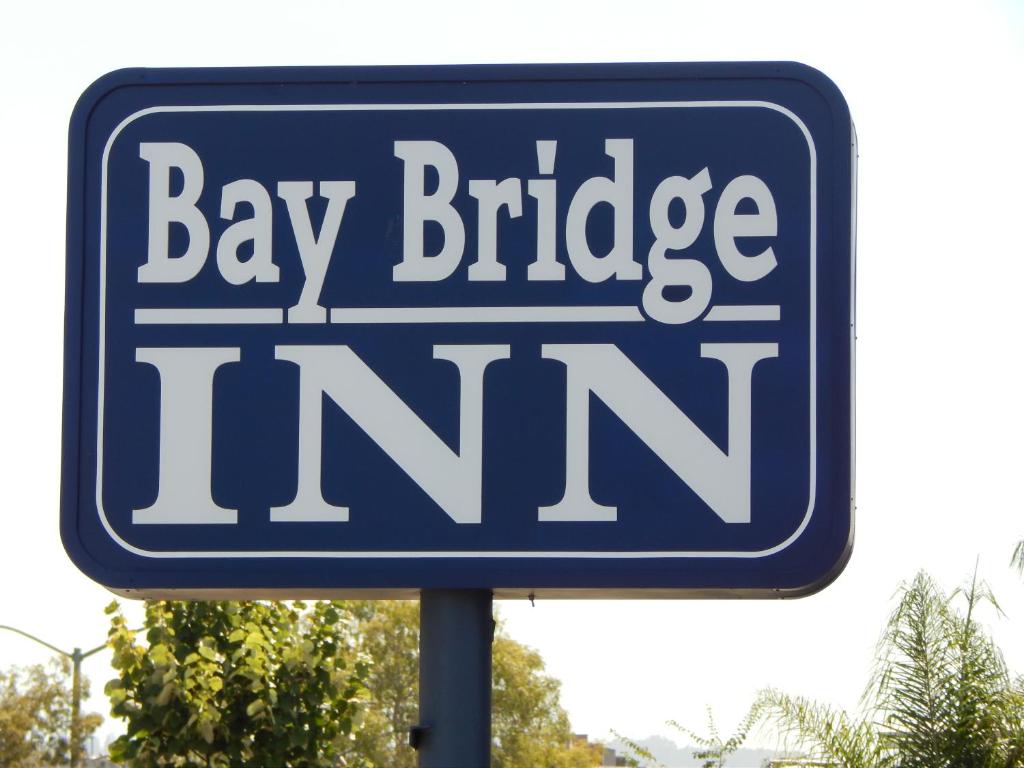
936 90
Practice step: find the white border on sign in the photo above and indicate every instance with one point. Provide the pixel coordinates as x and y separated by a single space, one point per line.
428 554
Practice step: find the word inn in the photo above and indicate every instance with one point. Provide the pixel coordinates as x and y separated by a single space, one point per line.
451 478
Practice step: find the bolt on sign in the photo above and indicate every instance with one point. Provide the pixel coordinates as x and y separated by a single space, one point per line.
564 330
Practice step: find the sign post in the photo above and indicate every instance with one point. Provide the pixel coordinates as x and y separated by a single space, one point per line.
470 332
456 632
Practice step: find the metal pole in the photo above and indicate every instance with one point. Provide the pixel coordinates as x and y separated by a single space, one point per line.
76 707
456 632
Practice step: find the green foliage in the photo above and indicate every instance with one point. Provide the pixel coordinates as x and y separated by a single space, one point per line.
221 684
940 696
35 715
1018 557
832 736
529 727
637 752
712 749
388 633
941 683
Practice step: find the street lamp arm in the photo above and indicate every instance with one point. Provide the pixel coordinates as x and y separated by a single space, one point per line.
97 649
53 648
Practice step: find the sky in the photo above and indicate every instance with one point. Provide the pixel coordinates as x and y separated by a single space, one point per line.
935 91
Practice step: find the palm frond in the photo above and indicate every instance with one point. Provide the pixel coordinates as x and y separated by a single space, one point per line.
637 751
914 672
939 679
940 695
828 735
714 751
1018 557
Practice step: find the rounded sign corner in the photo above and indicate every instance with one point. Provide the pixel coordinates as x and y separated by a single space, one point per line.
97 90
824 85
827 577
79 554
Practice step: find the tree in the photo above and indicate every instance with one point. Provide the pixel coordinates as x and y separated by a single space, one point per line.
529 726
941 694
388 633
222 684
35 716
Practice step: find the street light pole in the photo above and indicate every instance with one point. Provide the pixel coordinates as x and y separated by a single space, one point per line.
76 707
77 656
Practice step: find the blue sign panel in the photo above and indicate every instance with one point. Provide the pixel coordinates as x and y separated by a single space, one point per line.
551 329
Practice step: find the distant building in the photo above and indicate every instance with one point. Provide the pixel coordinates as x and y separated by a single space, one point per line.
610 758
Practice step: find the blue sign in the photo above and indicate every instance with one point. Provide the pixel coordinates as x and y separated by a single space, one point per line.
564 330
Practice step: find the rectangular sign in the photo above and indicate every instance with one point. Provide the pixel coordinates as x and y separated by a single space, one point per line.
564 330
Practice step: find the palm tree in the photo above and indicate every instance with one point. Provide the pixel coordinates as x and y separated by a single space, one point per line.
940 697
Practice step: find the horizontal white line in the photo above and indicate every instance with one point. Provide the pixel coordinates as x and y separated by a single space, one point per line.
740 312
412 315
465 106
486 315
444 555
211 316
